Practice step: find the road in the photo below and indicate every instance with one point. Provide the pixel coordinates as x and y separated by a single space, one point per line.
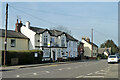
88 69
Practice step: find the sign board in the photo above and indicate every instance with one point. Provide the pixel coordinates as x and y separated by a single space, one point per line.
48 44
36 55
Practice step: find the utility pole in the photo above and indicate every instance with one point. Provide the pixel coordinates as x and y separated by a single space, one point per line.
92 42
5 43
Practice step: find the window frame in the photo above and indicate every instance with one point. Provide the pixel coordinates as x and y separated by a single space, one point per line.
13 43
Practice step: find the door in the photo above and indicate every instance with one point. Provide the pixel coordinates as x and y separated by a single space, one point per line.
53 55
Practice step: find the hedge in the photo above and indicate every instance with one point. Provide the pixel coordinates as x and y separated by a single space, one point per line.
24 57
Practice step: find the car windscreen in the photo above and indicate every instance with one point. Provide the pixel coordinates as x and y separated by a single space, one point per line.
112 56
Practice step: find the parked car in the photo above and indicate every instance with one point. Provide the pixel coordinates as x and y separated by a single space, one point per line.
113 58
118 54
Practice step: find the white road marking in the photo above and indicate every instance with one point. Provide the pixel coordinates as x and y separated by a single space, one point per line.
79 77
93 76
101 70
18 76
60 69
90 74
97 71
100 73
34 73
47 71
68 68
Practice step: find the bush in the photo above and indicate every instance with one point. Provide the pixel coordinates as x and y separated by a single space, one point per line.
24 57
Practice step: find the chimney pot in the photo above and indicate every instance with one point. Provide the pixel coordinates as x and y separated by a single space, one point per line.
28 24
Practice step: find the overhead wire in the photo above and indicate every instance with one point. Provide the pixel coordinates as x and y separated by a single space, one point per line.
34 16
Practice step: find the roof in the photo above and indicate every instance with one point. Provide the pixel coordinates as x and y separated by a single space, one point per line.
69 37
12 34
52 32
56 32
91 43
37 30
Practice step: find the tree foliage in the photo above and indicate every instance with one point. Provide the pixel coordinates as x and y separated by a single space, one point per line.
108 44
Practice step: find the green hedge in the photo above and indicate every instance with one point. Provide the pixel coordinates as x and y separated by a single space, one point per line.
24 57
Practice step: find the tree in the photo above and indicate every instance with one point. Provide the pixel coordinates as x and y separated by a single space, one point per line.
62 28
108 44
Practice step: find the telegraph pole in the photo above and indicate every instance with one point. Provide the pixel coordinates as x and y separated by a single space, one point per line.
92 42
5 43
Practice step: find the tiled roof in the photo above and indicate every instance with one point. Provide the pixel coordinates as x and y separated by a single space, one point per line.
12 34
69 37
52 32
93 44
37 30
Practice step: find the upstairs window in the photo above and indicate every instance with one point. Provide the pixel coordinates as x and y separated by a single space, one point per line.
63 42
59 53
13 42
45 40
52 40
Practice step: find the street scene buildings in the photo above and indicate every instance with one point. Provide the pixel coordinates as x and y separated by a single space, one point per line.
44 48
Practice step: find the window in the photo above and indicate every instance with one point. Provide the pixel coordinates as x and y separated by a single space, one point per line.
59 53
69 44
13 42
45 40
52 40
46 52
63 53
62 42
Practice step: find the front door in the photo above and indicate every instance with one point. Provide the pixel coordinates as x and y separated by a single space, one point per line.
53 55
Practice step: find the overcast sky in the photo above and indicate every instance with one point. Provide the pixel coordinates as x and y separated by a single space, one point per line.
79 17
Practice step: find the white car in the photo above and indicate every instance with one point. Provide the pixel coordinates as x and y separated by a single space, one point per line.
113 58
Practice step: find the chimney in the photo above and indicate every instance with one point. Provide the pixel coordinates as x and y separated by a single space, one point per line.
83 38
28 24
87 39
18 26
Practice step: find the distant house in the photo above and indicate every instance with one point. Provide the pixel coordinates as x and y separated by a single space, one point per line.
88 48
15 40
104 51
54 43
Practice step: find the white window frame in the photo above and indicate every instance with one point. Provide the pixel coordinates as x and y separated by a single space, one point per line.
63 42
45 40
59 53
46 53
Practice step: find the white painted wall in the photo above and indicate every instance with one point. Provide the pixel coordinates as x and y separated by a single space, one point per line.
88 48
72 49
30 34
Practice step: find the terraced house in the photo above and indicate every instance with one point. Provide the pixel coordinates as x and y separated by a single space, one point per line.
15 40
56 45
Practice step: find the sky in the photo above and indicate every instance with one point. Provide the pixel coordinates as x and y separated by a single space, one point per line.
79 17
